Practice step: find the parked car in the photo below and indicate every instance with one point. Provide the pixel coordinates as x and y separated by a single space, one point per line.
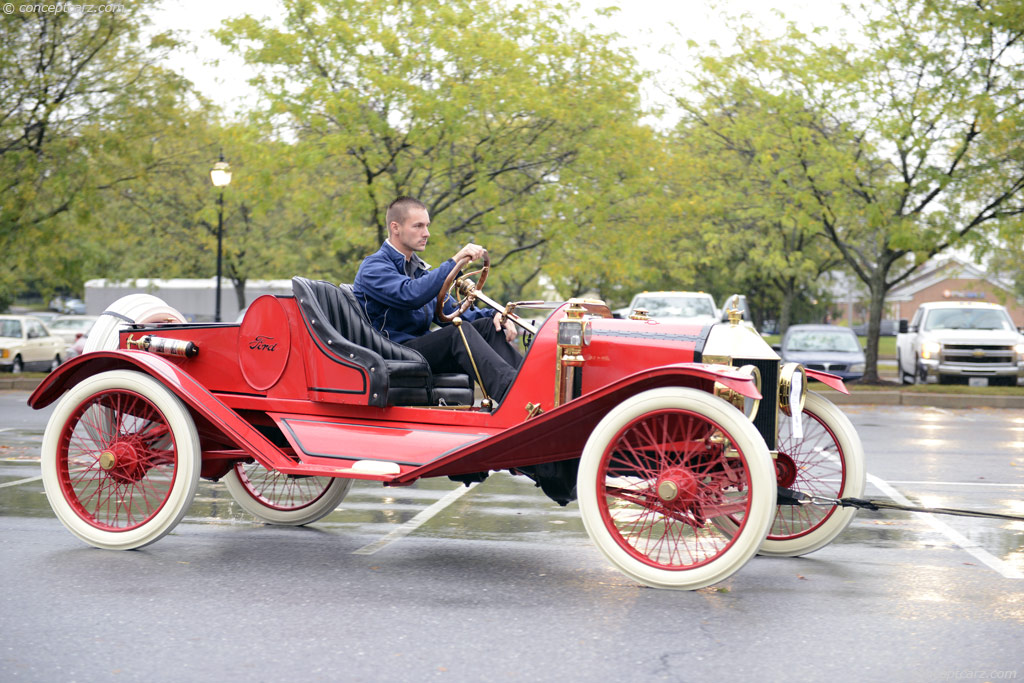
26 344
830 348
71 327
677 307
68 306
45 316
970 342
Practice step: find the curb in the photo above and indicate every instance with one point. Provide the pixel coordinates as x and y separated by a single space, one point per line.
18 383
911 398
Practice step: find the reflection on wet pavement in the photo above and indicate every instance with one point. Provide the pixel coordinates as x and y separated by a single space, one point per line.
933 457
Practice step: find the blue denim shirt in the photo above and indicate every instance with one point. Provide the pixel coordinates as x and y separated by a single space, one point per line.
400 305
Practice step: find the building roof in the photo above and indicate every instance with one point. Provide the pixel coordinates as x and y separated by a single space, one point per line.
939 269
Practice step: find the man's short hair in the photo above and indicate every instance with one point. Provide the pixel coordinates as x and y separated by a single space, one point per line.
398 210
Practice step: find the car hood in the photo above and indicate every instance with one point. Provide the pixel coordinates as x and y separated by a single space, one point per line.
10 340
823 357
695 320
975 336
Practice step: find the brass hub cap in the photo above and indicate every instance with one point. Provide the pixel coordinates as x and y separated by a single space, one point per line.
668 490
677 487
107 460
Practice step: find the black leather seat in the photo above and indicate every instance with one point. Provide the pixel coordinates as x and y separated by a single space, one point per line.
398 375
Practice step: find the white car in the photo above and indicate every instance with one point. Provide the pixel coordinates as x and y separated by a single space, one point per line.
71 327
960 342
26 344
684 307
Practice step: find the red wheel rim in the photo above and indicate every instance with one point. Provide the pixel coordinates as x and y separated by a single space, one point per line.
661 482
278 491
814 465
116 460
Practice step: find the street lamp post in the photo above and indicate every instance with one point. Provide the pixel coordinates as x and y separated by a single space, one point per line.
220 176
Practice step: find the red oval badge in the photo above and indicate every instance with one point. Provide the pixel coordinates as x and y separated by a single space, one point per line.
264 342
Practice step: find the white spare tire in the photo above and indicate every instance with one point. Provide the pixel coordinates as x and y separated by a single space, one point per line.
133 309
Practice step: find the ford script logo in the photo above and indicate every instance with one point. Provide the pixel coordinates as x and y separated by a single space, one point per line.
263 343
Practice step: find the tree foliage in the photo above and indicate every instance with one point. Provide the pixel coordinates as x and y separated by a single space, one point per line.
905 145
80 93
478 109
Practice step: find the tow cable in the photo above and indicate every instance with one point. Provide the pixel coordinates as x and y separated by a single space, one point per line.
791 497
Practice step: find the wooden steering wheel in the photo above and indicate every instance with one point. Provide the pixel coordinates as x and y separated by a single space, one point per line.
464 289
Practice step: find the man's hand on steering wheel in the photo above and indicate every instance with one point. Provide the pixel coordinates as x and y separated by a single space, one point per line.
466 289
474 252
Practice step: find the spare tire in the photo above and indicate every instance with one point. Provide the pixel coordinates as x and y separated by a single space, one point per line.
133 309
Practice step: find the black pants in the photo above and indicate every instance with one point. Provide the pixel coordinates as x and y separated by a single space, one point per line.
496 359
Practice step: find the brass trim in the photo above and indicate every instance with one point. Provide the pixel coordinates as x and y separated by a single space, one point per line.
787 373
668 491
737 399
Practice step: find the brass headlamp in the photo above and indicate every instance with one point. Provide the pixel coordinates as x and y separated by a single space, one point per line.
574 332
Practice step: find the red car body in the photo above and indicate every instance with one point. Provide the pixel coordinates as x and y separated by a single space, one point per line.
270 390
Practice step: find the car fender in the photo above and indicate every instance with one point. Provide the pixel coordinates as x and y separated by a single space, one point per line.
827 378
201 402
562 432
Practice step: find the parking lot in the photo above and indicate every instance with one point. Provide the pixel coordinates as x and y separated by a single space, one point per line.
498 582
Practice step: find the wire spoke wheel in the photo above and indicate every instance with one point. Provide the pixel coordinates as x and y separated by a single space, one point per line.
120 460
278 498
828 461
658 471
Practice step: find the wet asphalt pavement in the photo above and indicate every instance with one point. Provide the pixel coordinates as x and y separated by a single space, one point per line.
502 584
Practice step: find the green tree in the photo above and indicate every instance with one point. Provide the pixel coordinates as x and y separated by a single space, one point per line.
80 95
909 142
478 109
166 222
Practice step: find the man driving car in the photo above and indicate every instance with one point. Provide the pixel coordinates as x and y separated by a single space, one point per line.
398 291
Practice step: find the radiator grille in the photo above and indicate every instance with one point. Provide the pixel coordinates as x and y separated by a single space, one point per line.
766 420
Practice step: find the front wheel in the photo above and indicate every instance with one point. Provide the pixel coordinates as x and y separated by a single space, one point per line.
17 366
905 377
278 498
828 462
657 472
120 460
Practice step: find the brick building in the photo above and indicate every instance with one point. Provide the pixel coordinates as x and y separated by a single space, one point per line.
951 279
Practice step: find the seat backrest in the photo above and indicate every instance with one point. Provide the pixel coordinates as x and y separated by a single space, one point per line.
344 314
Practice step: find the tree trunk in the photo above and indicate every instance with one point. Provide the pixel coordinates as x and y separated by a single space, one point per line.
877 289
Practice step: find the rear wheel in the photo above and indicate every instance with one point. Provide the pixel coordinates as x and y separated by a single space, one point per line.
120 460
55 363
655 474
278 498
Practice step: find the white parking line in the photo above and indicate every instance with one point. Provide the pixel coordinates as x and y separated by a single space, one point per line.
959 483
415 522
982 555
20 481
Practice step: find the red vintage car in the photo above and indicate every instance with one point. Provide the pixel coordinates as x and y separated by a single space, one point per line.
674 439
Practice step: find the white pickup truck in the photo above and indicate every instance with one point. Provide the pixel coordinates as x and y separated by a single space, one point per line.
960 341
